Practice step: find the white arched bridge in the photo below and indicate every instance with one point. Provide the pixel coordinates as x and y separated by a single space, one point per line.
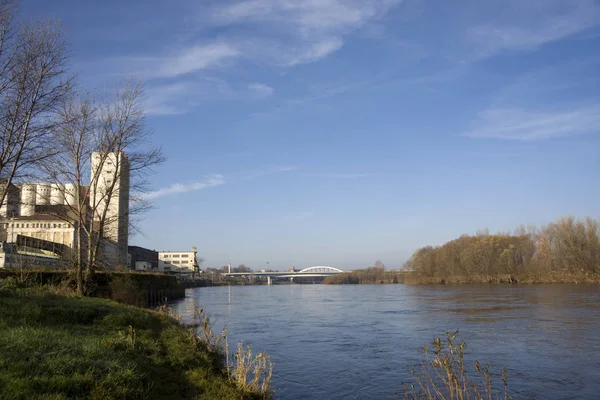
320 271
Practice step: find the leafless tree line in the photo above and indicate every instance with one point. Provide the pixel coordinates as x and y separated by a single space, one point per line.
565 247
49 130
33 82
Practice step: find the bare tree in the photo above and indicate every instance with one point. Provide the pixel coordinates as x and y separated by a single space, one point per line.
75 138
108 142
242 268
33 83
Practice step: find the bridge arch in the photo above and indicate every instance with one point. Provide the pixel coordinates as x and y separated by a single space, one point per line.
320 270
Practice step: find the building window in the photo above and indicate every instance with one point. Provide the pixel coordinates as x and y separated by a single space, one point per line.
175 255
185 255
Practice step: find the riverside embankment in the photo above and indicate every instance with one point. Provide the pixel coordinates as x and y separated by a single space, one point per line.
56 345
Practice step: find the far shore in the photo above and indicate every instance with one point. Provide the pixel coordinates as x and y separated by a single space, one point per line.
372 276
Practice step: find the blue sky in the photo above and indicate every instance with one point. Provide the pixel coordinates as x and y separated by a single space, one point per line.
338 132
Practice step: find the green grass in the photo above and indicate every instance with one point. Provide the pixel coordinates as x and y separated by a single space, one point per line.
62 347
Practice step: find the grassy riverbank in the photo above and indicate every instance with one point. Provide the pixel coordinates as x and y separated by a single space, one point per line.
59 346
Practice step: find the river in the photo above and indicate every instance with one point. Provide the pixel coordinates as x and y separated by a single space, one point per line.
360 341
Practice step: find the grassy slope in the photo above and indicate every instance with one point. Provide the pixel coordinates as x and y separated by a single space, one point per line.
58 347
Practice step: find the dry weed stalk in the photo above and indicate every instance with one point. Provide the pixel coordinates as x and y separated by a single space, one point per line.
250 373
253 373
208 336
445 376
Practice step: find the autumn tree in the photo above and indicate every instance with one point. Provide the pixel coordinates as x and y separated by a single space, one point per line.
567 245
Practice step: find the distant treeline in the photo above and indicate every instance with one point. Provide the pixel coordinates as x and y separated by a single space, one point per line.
370 276
567 250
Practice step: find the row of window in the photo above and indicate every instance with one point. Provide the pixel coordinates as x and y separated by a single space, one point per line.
177 262
175 255
36 225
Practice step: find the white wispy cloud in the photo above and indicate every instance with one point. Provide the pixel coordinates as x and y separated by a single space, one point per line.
187 59
168 99
268 170
528 25
266 33
261 90
303 14
340 175
176 188
281 33
292 32
179 97
195 58
296 216
527 124
312 52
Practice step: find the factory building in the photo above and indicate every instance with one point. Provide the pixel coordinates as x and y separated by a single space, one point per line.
183 262
46 211
110 179
142 259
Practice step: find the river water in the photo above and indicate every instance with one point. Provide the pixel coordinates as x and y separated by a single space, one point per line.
360 341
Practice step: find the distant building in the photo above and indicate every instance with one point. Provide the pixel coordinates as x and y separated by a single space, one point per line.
142 259
183 262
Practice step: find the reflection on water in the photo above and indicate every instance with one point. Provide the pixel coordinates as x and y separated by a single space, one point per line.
359 342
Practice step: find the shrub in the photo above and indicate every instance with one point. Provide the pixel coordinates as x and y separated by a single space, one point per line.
126 290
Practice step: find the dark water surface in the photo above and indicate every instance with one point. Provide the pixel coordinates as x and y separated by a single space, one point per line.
359 341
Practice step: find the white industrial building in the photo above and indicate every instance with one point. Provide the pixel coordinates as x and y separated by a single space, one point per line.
42 210
110 179
183 262
44 227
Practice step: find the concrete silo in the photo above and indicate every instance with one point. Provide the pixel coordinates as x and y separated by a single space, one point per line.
70 194
42 197
57 194
28 195
11 205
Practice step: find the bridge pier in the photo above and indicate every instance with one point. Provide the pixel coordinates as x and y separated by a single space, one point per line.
269 280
